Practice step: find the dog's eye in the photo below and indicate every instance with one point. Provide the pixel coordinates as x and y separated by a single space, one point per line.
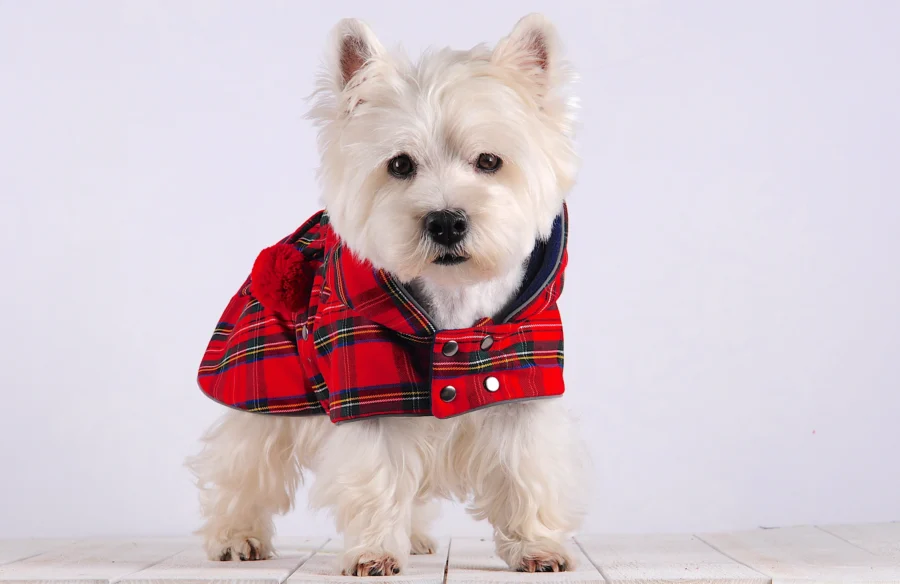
489 162
401 166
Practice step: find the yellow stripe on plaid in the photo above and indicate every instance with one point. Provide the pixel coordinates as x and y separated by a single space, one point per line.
343 333
401 297
254 351
505 359
280 408
382 397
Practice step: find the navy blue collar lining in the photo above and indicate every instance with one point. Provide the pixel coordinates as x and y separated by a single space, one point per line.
542 266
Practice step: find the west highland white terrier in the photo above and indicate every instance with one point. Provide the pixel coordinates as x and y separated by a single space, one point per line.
398 344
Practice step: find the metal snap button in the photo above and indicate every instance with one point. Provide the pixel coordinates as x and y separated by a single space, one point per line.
304 333
450 348
492 384
448 393
487 343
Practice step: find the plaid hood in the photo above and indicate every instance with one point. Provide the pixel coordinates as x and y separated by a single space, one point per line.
353 343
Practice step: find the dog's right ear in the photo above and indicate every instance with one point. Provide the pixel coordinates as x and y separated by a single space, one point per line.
532 49
352 45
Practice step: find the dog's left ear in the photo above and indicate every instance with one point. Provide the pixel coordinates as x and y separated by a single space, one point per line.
532 49
352 46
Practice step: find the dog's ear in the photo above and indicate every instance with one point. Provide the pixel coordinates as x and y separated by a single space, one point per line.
352 45
532 49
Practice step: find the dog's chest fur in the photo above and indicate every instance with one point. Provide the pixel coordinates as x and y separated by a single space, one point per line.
460 307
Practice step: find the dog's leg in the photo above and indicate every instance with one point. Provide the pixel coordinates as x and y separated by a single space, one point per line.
523 465
424 512
248 470
369 476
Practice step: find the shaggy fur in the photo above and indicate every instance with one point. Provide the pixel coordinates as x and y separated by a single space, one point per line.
517 464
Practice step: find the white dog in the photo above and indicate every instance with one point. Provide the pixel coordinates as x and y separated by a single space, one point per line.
446 175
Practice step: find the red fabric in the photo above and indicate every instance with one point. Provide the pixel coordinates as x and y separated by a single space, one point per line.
280 278
362 347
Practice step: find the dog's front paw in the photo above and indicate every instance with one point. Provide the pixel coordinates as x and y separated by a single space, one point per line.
373 564
543 556
239 549
421 544
548 564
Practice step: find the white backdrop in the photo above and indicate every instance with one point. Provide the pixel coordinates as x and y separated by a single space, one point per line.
731 302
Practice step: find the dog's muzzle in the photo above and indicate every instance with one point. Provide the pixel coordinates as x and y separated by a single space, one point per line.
447 228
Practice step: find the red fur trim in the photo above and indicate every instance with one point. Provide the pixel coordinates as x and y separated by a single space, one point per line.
280 280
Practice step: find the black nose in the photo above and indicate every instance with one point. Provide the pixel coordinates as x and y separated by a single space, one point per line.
447 227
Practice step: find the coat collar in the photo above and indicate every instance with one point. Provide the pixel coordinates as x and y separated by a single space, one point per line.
379 297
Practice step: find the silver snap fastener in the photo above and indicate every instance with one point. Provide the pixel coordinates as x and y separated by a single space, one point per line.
487 343
448 393
450 348
304 333
492 384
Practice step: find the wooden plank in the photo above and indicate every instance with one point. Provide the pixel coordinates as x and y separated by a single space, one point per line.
805 554
882 539
191 566
91 561
853 554
664 558
19 549
323 567
472 560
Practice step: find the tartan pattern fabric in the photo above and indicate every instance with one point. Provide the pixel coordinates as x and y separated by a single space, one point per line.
363 347
251 362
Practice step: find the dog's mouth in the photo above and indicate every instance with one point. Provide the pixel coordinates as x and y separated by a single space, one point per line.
450 259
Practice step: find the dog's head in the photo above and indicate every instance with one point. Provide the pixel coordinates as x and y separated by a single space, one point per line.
447 169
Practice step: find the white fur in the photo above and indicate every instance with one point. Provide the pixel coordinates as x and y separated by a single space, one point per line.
517 464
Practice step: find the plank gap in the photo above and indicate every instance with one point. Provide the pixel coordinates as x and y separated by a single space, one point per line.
21 559
31 547
664 558
732 558
447 561
125 576
805 554
591 560
97 560
311 556
192 565
881 539
847 541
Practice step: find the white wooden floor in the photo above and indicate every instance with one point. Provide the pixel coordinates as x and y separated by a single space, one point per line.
854 554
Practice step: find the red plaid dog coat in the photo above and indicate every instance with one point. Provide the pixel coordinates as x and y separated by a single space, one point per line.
349 341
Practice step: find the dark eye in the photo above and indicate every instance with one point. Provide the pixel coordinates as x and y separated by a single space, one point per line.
402 166
489 162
